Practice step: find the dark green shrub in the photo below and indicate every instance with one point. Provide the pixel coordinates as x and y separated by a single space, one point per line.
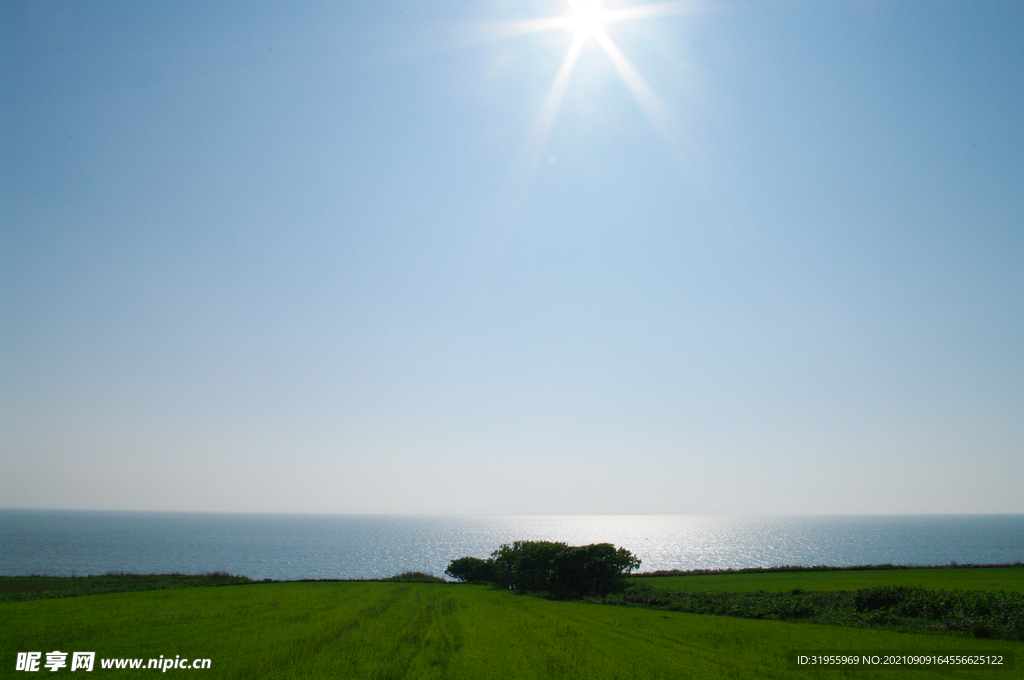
980 630
882 597
590 571
526 566
557 569
471 570
415 577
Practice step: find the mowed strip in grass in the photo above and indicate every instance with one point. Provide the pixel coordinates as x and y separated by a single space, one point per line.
1010 579
421 630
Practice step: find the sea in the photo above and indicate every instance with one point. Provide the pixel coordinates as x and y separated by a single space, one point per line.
292 547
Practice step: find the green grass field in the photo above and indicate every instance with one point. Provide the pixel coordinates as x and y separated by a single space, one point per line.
381 631
18 588
972 578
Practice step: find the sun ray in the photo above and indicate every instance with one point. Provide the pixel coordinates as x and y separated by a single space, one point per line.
541 130
515 29
643 93
652 10
587 20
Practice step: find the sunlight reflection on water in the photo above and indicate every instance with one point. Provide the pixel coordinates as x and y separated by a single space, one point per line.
327 546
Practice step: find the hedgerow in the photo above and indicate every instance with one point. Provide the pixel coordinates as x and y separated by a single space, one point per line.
998 614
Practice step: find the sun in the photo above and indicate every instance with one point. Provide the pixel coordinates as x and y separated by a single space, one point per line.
587 18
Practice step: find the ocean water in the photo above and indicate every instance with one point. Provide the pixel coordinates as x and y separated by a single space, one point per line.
357 546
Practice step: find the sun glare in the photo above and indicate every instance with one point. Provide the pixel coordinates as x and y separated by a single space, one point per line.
587 18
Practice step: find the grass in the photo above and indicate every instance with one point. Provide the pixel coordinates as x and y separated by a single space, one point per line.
20 588
978 601
1009 578
421 630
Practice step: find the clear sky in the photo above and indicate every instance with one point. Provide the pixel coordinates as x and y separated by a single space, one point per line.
729 257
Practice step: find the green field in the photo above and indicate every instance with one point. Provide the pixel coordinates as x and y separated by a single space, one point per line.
378 630
18 588
951 578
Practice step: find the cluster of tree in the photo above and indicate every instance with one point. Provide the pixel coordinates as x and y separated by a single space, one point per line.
562 570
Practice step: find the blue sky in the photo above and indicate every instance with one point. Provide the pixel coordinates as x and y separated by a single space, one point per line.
378 257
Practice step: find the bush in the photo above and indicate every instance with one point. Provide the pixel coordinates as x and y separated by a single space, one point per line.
471 570
981 614
554 568
881 597
525 566
414 577
590 571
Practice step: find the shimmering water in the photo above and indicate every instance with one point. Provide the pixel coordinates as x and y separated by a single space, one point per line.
340 546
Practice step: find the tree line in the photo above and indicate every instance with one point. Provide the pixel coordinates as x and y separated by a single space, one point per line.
558 569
